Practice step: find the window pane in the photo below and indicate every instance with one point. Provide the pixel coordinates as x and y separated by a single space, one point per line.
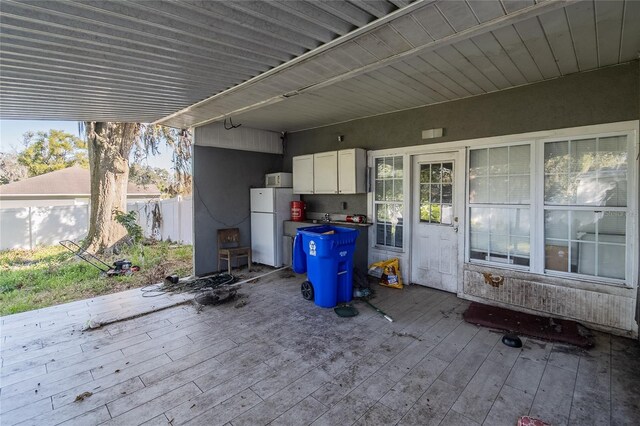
520 247
583 156
436 171
498 244
435 193
447 194
379 190
498 161
436 213
480 241
380 234
479 221
557 190
498 189
582 223
447 214
447 172
508 181
519 159
425 173
388 164
519 222
398 169
592 243
425 212
587 172
556 224
382 170
478 162
397 189
613 189
501 234
478 190
382 213
519 189
388 190
556 255
611 261
614 223
499 221
556 157
397 237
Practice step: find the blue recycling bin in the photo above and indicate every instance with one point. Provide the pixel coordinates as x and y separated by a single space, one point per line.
325 253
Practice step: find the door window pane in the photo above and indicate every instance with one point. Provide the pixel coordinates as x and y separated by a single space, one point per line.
436 193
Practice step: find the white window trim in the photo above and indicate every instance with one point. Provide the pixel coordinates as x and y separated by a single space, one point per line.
537 206
631 126
371 203
467 206
631 250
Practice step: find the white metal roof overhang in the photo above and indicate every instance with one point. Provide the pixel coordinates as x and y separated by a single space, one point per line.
291 65
132 60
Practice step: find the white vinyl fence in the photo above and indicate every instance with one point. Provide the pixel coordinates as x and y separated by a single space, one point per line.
29 227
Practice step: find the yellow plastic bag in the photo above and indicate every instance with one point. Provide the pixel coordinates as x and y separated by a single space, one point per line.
388 272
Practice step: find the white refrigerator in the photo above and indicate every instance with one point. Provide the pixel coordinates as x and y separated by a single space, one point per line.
270 207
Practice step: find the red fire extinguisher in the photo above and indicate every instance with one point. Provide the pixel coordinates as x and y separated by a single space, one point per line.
297 211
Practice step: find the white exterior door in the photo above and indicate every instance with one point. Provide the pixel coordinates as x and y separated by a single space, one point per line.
435 221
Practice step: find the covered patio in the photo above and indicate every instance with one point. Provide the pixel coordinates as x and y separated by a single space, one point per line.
500 141
280 360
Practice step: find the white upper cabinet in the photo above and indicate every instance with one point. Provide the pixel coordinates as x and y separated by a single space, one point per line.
325 172
333 172
351 171
303 174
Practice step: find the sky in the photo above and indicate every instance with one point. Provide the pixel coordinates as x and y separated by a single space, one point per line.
11 132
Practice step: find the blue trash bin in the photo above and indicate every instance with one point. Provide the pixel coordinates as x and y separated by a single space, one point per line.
327 258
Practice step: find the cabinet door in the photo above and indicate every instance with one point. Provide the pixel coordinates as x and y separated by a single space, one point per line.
351 171
303 174
325 173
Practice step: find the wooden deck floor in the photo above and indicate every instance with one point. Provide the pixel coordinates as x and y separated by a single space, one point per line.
280 360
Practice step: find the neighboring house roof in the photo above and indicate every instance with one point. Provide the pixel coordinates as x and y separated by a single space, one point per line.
70 181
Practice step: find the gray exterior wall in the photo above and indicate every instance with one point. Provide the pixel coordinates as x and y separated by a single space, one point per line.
221 182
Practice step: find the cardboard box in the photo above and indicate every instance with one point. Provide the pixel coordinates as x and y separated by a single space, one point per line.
556 258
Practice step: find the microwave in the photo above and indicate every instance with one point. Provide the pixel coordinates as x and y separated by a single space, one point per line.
278 180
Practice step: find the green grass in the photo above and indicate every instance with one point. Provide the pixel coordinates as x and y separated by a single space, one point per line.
52 275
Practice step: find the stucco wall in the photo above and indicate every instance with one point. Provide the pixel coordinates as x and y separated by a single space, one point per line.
222 179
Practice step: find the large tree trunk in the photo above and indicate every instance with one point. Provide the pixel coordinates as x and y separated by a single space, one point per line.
109 146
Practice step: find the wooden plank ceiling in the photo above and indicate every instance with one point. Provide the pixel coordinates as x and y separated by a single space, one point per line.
130 60
438 52
291 65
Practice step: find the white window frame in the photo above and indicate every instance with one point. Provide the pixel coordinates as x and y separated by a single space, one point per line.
468 205
631 127
405 223
538 208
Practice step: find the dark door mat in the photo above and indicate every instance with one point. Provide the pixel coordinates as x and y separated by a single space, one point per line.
545 328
